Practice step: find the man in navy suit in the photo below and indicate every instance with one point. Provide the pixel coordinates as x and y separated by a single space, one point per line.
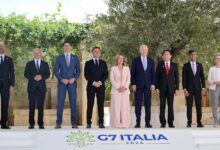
7 81
36 71
67 71
143 83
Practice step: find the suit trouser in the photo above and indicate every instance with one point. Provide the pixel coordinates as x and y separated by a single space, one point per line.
100 95
166 97
62 89
147 104
215 97
189 102
5 95
36 98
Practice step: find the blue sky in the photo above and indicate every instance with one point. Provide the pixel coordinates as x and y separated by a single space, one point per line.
74 10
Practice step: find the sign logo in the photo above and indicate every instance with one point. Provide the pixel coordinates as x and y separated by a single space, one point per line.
80 139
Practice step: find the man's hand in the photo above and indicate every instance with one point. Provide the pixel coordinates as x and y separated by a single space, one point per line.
11 90
97 84
203 92
38 78
72 80
158 91
186 93
134 88
65 81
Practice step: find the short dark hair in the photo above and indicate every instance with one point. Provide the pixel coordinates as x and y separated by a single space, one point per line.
96 47
68 43
166 50
191 51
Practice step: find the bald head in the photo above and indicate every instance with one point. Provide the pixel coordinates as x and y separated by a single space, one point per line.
37 53
2 47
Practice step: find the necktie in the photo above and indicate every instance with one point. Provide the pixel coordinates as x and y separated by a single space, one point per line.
167 69
96 62
67 60
1 59
193 68
38 67
145 64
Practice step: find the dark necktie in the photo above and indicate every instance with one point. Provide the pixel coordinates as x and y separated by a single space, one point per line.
1 59
167 69
96 62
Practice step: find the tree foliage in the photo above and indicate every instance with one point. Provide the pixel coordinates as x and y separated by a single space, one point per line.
178 25
47 32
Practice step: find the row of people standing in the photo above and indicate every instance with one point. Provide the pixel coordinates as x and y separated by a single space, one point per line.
143 79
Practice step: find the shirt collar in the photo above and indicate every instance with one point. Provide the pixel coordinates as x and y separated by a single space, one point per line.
192 62
67 54
167 62
39 60
142 57
95 59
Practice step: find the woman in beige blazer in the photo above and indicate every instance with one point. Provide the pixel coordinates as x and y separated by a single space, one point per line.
120 94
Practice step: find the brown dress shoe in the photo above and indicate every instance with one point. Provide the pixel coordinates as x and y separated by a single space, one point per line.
57 126
74 126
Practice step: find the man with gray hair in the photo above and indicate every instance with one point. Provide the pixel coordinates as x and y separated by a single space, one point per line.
143 83
7 80
36 71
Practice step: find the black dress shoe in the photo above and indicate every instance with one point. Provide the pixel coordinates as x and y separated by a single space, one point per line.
188 125
41 127
31 127
101 126
163 126
74 126
148 125
88 126
171 126
200 125
5 127
137 125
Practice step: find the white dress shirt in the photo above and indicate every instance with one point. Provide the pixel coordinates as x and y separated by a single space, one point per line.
37 61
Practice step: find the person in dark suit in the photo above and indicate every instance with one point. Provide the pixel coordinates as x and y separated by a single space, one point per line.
7 81
193 81
67 71
36 71
96 72
167 84
143 83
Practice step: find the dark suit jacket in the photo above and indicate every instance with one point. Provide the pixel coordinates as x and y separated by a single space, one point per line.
7 73
189 80
93 73
140 77
31 71
164 81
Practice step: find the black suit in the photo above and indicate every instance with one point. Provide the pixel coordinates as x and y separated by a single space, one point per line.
7 79
93 73
193 84
167 84
36 89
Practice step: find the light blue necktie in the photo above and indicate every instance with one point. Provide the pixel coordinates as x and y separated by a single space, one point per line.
145 63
